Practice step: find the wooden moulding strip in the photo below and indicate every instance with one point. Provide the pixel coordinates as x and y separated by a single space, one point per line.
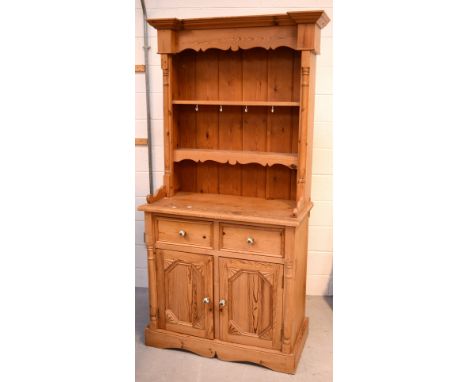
236 156
139 68
287 221
318 17
141 141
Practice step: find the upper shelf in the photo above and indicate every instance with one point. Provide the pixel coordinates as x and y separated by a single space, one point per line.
236 156
235 103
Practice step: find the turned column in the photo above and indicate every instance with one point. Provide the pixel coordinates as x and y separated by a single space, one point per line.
151 258
166 65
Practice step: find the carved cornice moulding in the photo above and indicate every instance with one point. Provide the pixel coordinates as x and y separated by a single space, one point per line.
295 30
290 18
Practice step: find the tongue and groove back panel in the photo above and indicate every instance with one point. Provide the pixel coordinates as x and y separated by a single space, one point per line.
244 75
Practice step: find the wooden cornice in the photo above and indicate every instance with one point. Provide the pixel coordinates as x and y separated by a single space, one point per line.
319 18
161 24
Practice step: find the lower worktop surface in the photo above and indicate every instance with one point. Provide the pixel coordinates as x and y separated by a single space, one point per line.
228 207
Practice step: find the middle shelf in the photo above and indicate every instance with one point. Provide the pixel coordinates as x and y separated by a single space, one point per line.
236 103
237 156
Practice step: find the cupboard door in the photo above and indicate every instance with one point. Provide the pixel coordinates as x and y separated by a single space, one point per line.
185 292
252 294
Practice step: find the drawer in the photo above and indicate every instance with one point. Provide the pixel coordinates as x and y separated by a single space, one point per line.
185 232
264 241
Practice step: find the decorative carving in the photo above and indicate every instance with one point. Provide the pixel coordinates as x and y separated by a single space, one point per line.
164 62
286 348
268 277
150 250
200 268
235 39
232 272
198 324
233 329
289 269
165 69
168 262
234 157
170 316
305 75
235 46
166 77
299 207
267 333
161 193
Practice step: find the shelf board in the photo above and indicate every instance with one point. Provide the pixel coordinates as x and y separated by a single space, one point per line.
235 156
235 103
228 207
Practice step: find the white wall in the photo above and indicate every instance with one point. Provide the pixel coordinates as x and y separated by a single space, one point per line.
319 269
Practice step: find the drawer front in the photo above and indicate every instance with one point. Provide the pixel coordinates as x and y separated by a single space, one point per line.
185 232
265 241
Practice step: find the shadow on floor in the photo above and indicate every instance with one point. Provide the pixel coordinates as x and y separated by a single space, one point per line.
329 301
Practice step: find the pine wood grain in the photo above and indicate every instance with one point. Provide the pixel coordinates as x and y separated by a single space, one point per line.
265 241
290 18
229 208
222 253
253 294
234 102
187 280
267 37
195 233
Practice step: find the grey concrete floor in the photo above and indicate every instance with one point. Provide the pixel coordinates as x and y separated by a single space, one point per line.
171 365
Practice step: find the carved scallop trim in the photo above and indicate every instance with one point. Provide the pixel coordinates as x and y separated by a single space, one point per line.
234 157
235 46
